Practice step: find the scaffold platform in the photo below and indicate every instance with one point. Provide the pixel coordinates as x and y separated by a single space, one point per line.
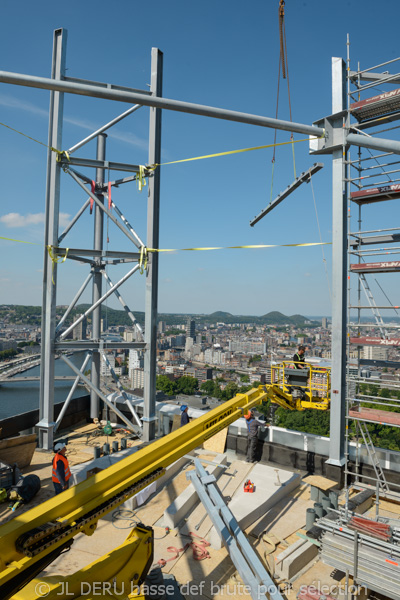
377 267
376 194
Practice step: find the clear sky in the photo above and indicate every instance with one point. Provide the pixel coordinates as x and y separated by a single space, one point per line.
219 53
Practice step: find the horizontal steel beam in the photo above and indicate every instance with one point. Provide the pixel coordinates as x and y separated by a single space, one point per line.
100 164
109 86
83 89
93 345
378 77
380 144
97 253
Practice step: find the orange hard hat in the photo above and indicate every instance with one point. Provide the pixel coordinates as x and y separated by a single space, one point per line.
248 415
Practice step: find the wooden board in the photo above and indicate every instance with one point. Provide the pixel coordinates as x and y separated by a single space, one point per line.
322 483
176 423
217 442
22 455
17 441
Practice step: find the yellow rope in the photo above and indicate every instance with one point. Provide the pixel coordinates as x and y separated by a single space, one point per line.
20 241
173 162
58 152
253 246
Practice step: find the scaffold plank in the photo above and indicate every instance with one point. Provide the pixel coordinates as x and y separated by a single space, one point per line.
376 194
375 341
376 106
383 417
378 267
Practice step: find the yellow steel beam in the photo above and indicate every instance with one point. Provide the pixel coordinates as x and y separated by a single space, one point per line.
100 492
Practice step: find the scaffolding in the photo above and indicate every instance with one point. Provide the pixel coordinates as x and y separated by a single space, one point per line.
371 178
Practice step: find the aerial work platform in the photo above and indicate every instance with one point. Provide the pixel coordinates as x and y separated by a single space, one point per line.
376 194
378 267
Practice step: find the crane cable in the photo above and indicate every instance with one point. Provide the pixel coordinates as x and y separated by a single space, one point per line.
283 63
319 230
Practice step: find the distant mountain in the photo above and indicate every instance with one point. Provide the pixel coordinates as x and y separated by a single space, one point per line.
112 317
220 315
277 318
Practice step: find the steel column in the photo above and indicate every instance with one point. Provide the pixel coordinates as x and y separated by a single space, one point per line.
97 280
339 275
46 399
153 223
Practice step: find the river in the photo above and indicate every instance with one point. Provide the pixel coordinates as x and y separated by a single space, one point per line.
17 398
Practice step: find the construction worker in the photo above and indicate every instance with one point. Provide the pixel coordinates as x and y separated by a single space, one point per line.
298 358
252 436
184 415
60 473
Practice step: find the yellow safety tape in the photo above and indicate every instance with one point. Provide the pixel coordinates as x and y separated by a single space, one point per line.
140 177
143 260
173 162
58 152
253 246
144 250
20 241
56 260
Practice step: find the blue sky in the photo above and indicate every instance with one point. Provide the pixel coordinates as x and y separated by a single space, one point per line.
216 53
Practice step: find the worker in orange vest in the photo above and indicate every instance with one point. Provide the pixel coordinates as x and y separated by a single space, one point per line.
60 473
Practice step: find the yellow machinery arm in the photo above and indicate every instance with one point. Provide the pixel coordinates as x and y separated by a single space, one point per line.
32 540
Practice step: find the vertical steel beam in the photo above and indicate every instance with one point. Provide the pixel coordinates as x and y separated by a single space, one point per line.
97 280
153 222
339 274
46 399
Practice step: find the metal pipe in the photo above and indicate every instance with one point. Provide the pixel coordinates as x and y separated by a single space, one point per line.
104 297
373 143
99 392
360 160
74 220
97 280
124 304
104 128
102 207
388 62
70 394
121 389
169 104
128 225
374 174
390 78
74 301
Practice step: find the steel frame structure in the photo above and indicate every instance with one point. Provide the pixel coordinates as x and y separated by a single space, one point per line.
331 135
361 176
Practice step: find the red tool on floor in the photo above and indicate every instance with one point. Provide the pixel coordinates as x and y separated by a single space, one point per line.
249 486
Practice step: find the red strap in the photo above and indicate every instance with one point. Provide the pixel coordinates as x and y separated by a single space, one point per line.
109 195
91 199
199 550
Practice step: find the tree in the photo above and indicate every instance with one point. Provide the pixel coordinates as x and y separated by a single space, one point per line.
187 385
164 384
208 387
245 378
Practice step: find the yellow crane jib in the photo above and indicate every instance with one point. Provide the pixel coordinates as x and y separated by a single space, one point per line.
32 540
298 389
